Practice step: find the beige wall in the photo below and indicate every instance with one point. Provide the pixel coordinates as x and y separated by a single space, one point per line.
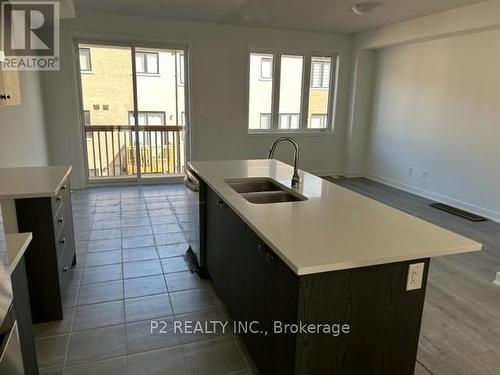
109 83
318 102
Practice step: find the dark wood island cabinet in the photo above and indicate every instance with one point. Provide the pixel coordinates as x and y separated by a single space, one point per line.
256 285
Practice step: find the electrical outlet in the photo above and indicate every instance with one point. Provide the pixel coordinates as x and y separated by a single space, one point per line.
410 171
415 276
497 279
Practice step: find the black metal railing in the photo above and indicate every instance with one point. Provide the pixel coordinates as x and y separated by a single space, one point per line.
116 151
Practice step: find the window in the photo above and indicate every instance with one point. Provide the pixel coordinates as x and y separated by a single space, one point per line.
299 102
320 73
318 121
319 93
86 118
289 120
180 69
146 62
260 91
147 118
290 91
85 61
265 120
266 68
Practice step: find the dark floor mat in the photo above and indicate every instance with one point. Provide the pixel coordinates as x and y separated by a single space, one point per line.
456 211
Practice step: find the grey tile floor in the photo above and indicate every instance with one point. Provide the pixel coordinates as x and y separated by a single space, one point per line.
130 271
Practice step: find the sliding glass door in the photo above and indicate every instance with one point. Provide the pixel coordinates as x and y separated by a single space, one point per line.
134 110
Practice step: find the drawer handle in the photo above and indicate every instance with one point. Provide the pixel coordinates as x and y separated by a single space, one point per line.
60 220
58 198
64 187
62 240
260 248
270 257
222 205
65 269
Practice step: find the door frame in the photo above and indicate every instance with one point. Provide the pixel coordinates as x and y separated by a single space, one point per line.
132 44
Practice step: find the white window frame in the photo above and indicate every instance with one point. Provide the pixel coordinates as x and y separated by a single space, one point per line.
271 75
306 87
146 114
321 85
180 76
80 50
289 117
323 117
268 115
144 56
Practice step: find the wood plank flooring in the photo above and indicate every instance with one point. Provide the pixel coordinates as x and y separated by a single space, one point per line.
461 324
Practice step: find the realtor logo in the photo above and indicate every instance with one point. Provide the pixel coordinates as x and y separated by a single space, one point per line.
30 35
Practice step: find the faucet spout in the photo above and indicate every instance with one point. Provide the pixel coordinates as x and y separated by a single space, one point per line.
272 149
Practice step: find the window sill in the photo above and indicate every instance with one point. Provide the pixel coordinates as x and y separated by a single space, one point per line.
148 74
287 132
86 71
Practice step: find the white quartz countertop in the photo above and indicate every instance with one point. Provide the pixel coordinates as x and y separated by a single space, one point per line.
32 182
17 243
335 228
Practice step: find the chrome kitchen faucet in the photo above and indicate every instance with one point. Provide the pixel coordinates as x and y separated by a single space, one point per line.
295 178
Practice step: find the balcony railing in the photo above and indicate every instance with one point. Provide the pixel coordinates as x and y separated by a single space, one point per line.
112 151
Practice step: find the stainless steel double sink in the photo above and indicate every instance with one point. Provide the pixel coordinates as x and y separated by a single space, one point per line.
264 190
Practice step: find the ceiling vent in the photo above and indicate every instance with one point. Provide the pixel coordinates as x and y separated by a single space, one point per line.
364 8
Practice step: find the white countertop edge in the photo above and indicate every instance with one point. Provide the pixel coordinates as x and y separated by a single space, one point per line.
40 194
17 243
66 175
379 261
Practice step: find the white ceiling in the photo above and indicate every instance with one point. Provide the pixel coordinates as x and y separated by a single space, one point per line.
316 15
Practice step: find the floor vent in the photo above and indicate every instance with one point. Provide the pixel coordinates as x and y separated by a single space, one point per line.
457 211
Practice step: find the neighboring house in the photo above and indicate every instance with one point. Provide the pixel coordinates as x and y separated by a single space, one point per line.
108 100
260 89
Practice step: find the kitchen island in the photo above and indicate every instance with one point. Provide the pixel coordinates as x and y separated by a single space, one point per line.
334 258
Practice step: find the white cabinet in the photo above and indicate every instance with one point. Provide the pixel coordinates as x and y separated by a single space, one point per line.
10 93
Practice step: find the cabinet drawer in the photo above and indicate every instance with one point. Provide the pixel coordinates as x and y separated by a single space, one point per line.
61 198
59 221
65 267
61 241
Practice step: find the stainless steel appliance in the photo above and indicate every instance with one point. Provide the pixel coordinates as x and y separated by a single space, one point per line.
11 359
194 229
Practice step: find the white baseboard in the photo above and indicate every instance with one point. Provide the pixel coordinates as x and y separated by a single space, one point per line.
353 174
324 173
490 214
